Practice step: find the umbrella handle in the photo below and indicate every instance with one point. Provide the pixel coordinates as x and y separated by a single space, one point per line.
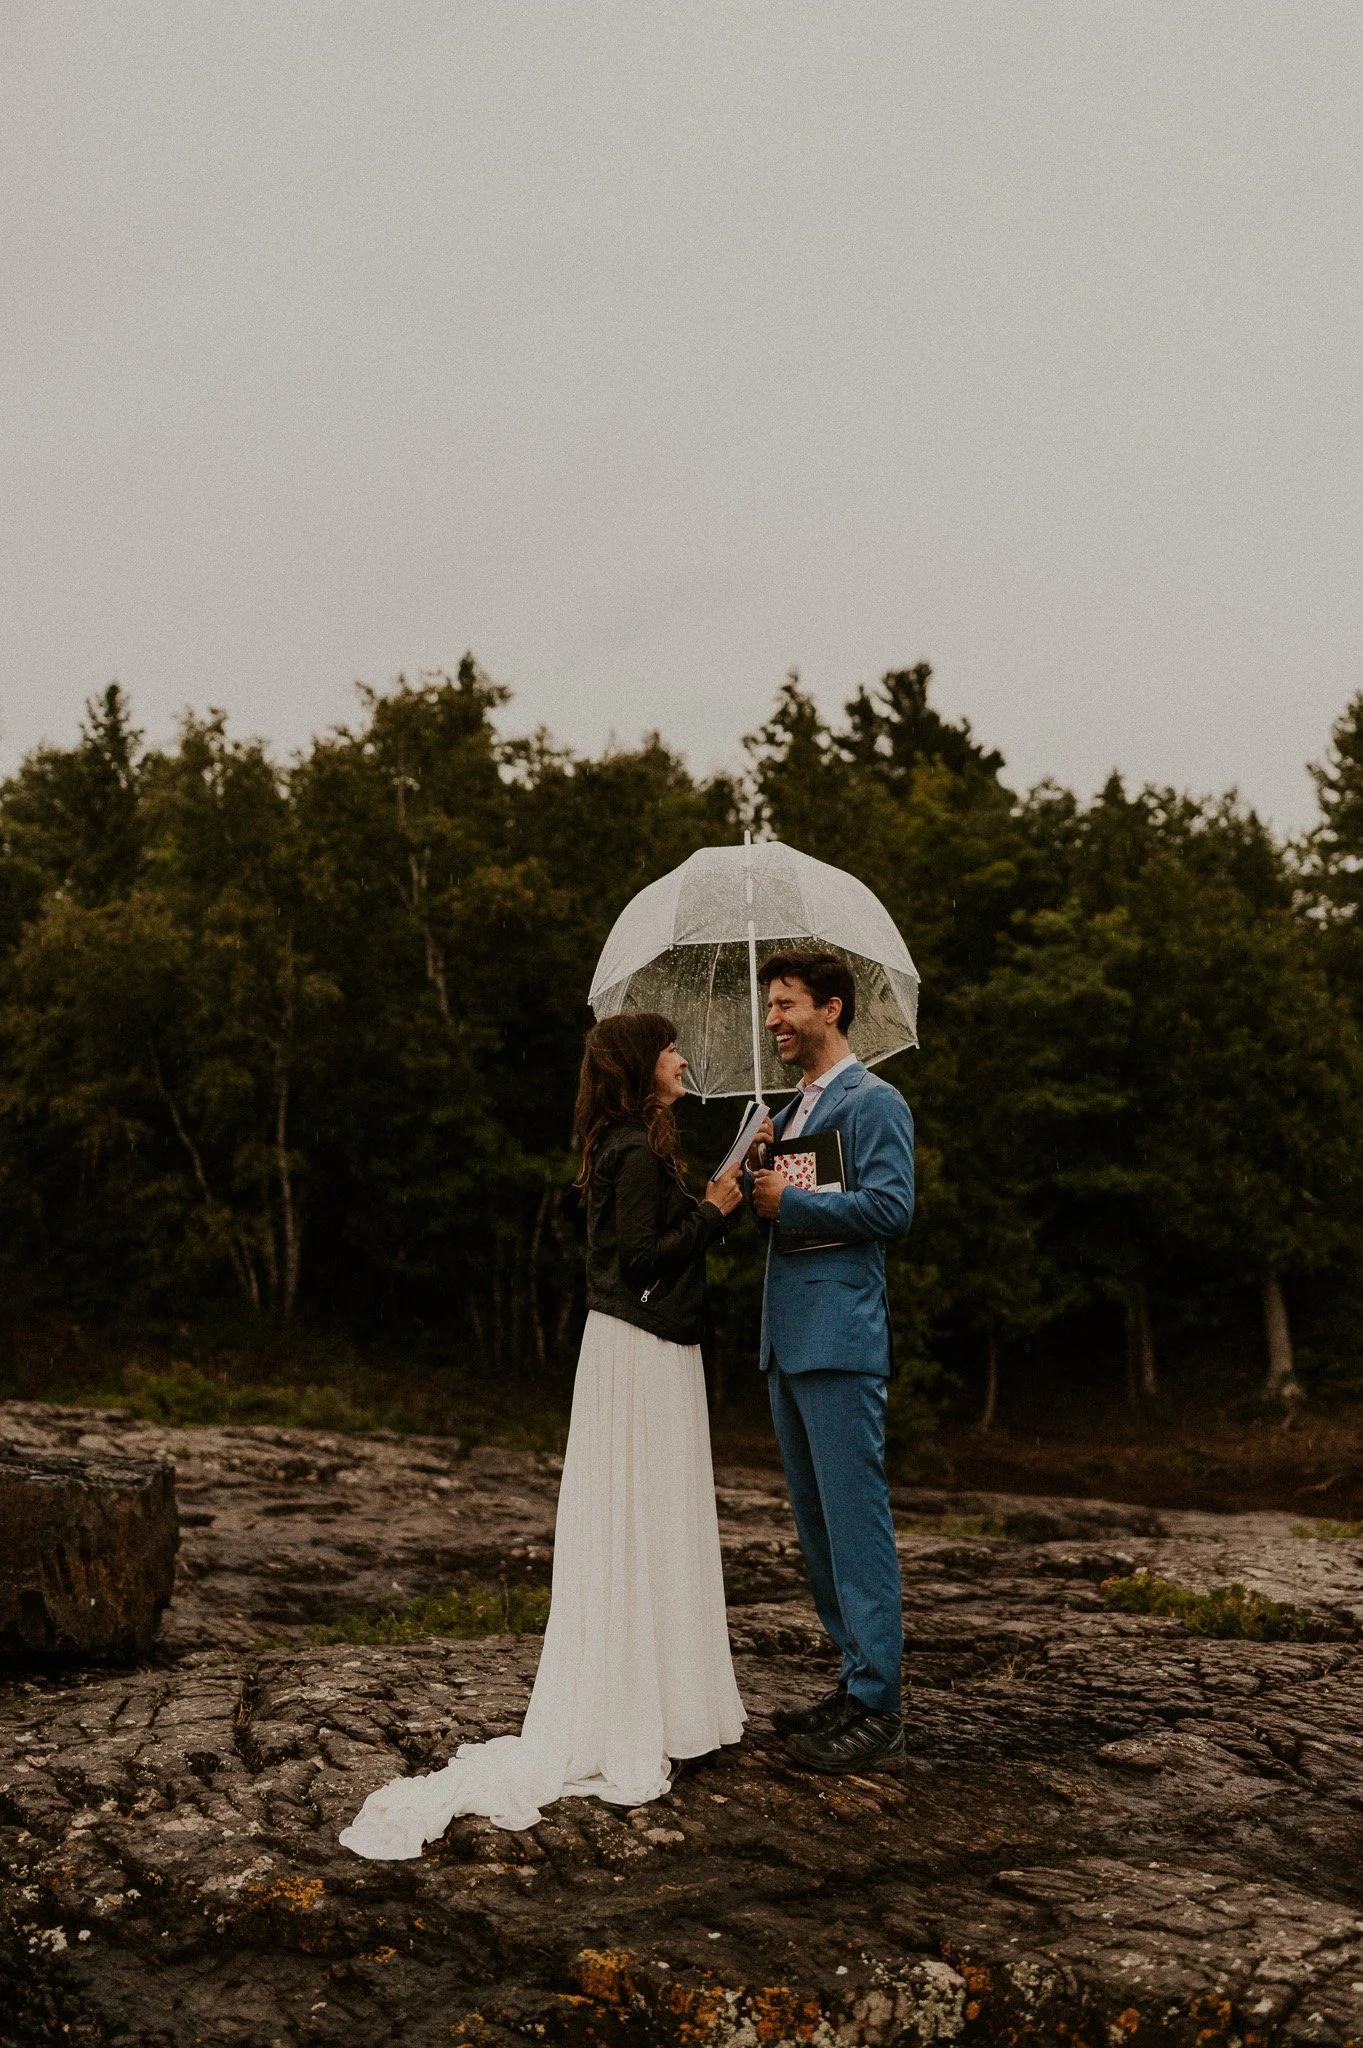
752 974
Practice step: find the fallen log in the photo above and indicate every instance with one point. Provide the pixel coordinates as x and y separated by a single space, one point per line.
87 1555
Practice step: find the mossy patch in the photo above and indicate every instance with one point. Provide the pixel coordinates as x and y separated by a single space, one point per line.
181 1395
1232 1611
951 1525
340 1397
1330 1532
481 1611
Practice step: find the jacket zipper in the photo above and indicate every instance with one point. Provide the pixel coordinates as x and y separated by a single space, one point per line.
652 1287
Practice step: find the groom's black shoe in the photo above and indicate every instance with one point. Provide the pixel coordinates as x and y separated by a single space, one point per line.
860 1741
816 1720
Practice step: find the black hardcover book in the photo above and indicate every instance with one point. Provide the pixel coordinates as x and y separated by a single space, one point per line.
812 1161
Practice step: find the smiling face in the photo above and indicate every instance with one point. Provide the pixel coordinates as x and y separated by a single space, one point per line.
668 1085
807 1034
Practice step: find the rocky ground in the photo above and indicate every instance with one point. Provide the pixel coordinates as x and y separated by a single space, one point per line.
1111 1831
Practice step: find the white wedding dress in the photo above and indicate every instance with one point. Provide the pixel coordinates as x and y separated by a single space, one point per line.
635 1669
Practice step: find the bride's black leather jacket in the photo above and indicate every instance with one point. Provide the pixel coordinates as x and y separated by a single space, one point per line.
646 1240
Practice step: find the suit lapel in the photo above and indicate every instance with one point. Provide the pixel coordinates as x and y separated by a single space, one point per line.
783 1117
822 1112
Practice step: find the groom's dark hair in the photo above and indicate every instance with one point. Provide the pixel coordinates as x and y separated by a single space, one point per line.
824 974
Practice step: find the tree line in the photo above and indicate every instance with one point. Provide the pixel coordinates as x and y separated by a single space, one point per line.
295 1044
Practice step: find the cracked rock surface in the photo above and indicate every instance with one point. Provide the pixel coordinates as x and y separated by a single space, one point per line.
1110 1831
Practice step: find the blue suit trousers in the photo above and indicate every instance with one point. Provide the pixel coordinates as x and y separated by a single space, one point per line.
831 1430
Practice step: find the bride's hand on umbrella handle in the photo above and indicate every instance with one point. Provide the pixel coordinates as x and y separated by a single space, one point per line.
756 1157
725 1194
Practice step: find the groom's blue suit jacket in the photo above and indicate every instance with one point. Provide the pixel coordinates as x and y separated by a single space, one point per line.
826 1310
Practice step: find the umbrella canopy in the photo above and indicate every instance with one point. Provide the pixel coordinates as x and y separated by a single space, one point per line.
689 945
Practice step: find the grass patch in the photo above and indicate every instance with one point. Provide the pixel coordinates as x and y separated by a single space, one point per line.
482 1611
356 1401
950 1525
182 1394
1330 1532
1231 1611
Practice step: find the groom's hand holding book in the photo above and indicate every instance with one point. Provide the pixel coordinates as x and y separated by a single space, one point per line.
766 1186
757 1151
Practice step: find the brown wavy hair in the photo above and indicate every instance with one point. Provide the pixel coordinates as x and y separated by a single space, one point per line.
616 1086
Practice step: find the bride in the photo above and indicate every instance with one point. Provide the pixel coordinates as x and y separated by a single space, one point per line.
635 1669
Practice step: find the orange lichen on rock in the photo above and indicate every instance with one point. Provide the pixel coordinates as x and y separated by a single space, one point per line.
297 1893
779 2014
696 2009
604 1974
1217 2015
700 2014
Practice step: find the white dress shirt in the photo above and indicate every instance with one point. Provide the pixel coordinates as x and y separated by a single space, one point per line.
810 1094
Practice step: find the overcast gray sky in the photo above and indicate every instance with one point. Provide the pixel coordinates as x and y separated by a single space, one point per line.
652 350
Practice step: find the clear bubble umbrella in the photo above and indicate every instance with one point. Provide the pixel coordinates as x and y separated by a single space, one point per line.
690 946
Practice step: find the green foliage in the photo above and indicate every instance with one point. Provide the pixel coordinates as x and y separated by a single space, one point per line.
954 1525
1336 847
1332 857
1224 1611
73 822
913 1456
1330 1532
184 1395
481 1611
298 1045
324 1385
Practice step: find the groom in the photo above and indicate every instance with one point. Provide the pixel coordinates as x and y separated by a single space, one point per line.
826 1353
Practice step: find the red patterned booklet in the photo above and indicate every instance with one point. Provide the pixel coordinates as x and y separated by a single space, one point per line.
812 1161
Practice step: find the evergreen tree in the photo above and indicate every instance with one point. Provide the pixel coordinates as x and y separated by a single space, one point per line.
304 1040
894 731
70 820
1332 858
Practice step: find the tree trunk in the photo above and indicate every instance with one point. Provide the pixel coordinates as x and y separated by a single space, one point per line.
283 1171
435 974
288 1214
566 1269
1142 1381
1149 1378
414 897
1282 1387
991 1383
238 1250
498 1320
519 1264
536 1244
244 1261
265 1242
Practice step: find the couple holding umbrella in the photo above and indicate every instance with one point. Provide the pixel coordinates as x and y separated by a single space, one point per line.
635 1673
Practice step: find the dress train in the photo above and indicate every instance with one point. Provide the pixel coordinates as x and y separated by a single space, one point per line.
635 1669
